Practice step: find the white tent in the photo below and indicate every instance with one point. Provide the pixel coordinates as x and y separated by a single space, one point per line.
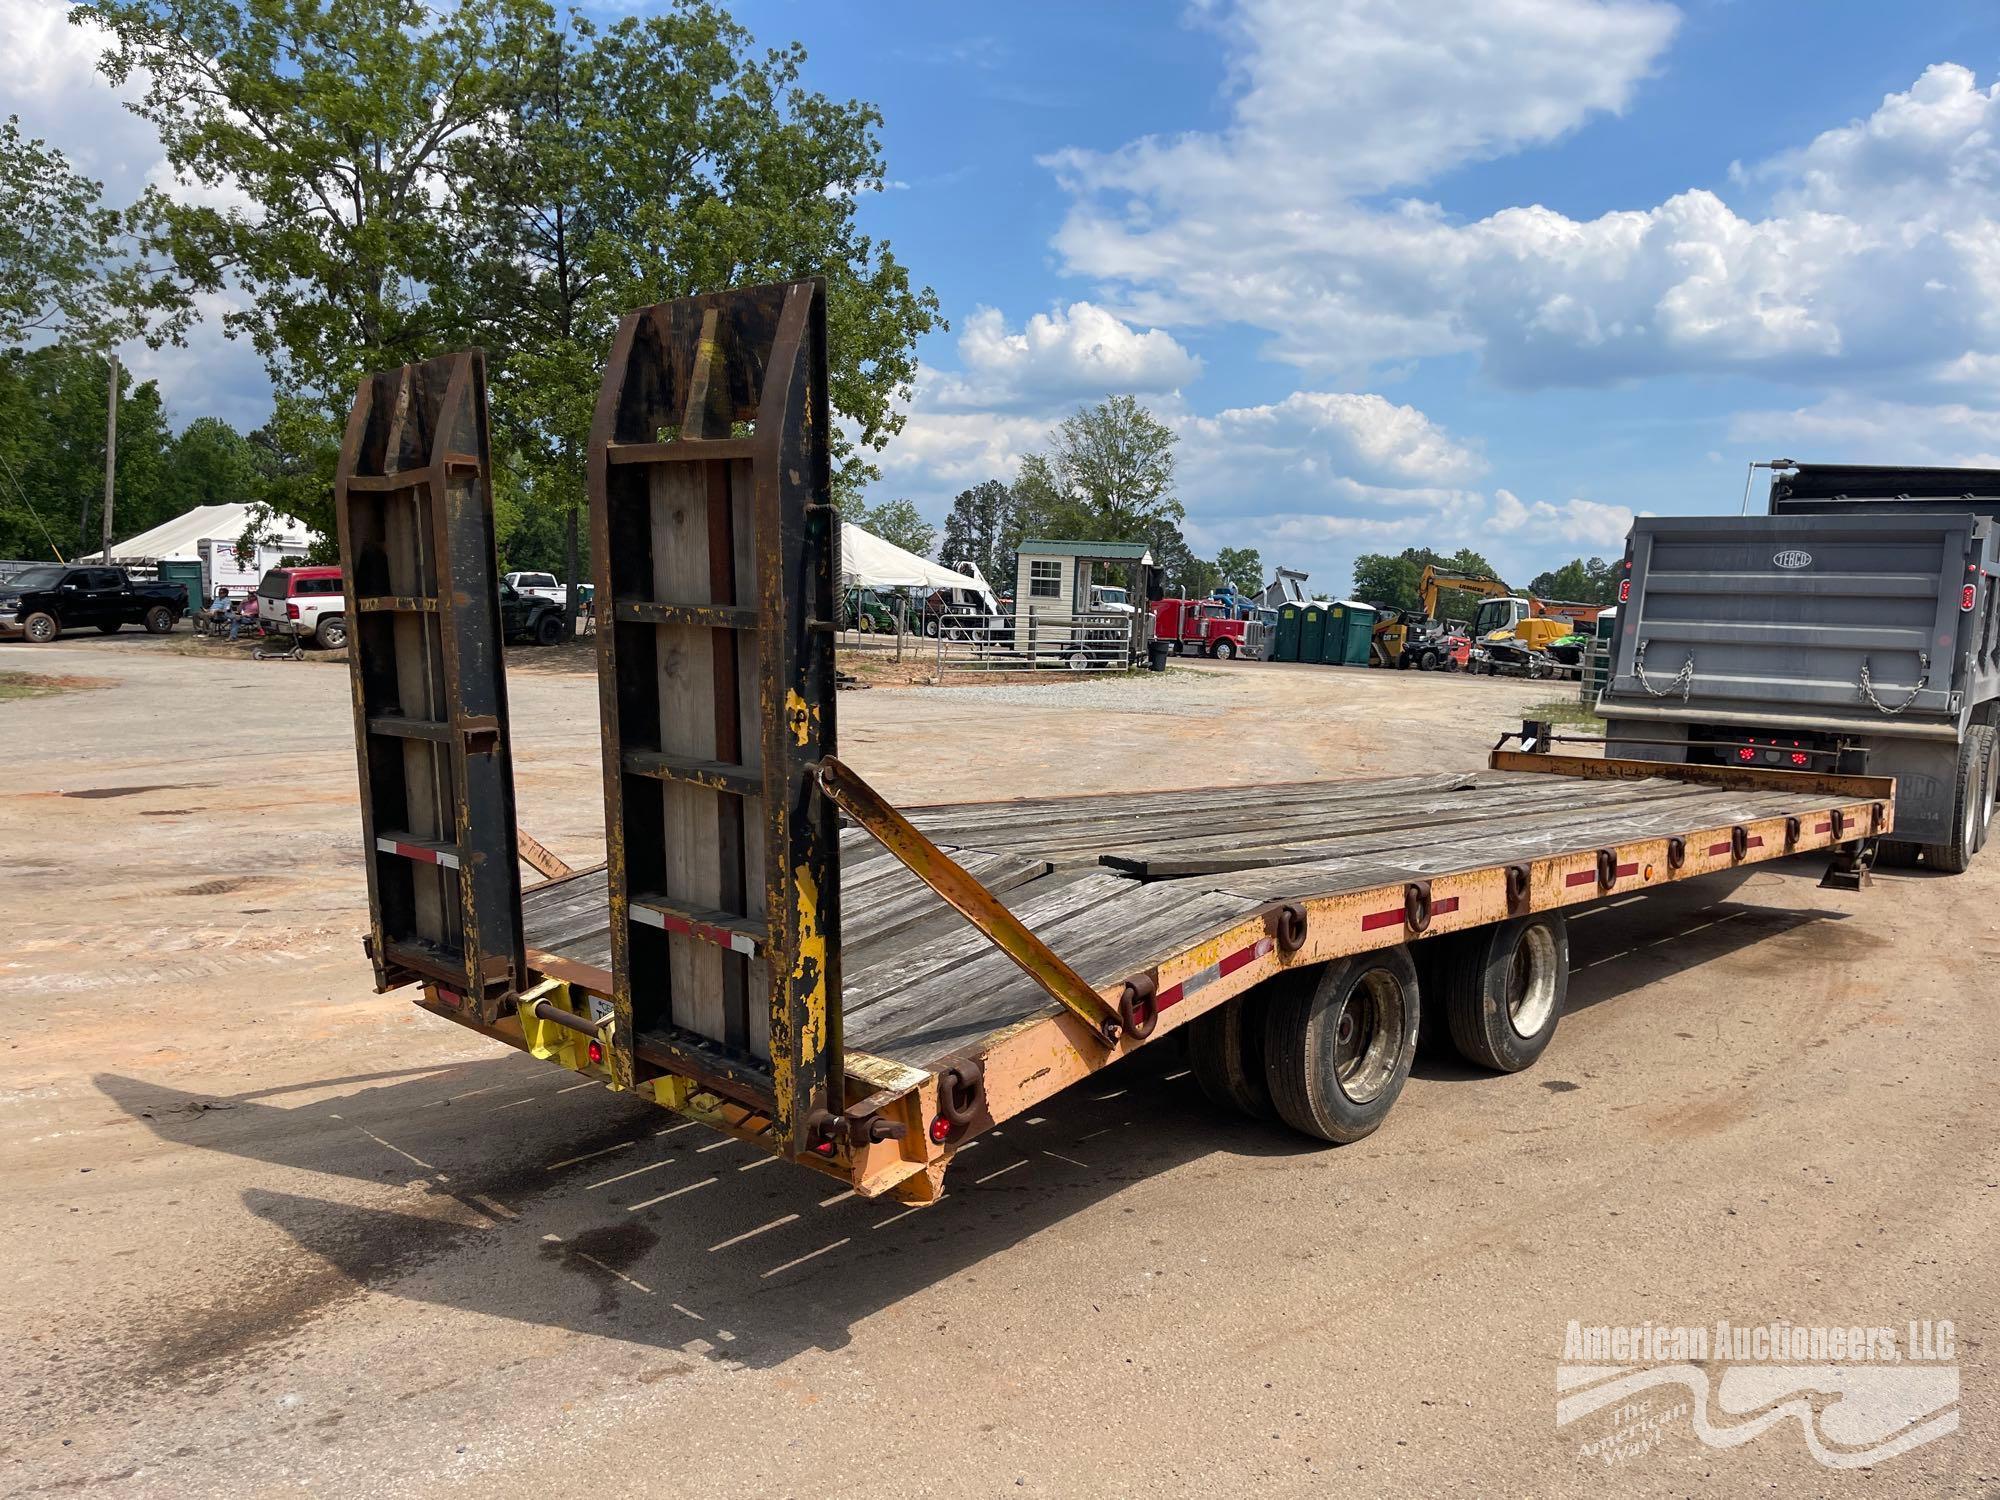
179 539
866 561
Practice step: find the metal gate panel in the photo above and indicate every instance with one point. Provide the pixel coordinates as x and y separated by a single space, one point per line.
713 539
414 502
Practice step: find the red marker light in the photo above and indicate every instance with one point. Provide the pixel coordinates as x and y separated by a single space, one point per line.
940 1130
1799 757
1746 753
1967 594
596 1050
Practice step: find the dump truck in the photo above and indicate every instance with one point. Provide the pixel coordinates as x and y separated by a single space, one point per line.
1857 623
774 949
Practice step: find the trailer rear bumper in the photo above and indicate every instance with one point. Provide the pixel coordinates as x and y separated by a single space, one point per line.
1871 726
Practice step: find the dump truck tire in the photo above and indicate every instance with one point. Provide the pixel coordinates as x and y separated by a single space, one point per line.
1337 1053
1503 989
1226 1052
1955 858
1989 801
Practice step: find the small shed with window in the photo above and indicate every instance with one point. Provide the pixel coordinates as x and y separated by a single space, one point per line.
1057 581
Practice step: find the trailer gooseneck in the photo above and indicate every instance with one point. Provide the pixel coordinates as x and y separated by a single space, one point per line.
775 950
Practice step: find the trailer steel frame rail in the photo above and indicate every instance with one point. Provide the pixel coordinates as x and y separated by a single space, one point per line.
717 991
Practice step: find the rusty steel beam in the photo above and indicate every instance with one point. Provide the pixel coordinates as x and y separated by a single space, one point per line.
968 897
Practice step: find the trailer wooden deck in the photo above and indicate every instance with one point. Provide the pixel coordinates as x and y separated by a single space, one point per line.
1125 883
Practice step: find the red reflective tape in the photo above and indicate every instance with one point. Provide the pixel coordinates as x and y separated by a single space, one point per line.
1243 956
1375 919
1448 904
1755 841
1623 870
1721 848
1822 828
1587 877
1228 964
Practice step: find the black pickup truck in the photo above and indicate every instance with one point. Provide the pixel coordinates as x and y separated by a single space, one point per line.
40 603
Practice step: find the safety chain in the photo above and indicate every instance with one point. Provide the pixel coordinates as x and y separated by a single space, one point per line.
1868 688
1683 679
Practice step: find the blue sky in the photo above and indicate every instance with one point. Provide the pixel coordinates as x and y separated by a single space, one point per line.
1491 274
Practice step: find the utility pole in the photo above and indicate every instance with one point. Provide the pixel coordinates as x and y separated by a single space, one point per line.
110 455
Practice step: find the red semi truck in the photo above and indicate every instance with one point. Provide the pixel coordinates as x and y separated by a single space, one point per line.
1202 627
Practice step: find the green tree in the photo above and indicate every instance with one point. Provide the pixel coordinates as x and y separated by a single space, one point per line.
895 521
333 119
1108 476
1579 581
52 453
657 158
977 530
1241 568
70 268
211 463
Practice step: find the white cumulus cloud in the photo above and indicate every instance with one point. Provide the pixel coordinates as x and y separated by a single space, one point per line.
1871 248
1073 353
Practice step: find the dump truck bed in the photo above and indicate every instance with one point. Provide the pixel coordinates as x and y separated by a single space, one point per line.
1128 882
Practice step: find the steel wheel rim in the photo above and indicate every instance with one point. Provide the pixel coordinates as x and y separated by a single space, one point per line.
1531 982
1368 1036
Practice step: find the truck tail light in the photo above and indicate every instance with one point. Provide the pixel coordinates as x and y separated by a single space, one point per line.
1624 591
291 611
1967 595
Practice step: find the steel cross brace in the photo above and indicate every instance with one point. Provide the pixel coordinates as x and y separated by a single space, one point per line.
968 897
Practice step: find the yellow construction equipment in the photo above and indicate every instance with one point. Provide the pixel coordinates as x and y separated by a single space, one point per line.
1504 619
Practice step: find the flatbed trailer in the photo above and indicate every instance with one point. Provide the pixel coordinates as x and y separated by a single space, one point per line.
775 951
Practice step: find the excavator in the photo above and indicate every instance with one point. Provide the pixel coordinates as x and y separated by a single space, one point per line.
1513 630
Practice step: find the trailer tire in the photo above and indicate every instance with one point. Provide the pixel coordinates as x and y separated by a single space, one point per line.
1504 988
1337 1052
1967 833
1226 1052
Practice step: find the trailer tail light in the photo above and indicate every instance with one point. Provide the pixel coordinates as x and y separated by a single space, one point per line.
940 1130
596 1050
1746 752
1624 591
1967 595
1800 758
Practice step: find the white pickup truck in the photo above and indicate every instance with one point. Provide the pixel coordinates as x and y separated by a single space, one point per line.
539 585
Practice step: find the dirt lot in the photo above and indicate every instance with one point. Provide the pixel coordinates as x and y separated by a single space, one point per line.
271 1233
